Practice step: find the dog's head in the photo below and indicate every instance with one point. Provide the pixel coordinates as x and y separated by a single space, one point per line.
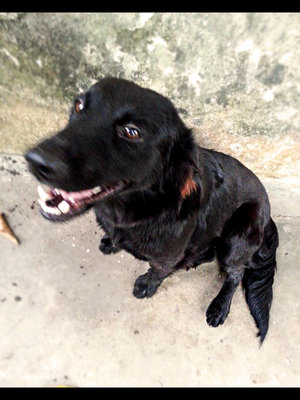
118 139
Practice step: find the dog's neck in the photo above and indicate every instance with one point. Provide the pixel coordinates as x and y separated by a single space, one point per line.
177 191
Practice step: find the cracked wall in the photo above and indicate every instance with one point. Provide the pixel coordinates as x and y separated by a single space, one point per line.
235 78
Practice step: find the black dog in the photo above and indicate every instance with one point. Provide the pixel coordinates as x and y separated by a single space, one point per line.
156 194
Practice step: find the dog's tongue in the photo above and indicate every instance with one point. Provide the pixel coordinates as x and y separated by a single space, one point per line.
74 196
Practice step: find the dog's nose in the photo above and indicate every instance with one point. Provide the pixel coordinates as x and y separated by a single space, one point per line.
41 166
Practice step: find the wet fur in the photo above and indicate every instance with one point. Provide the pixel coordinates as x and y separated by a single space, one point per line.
185 206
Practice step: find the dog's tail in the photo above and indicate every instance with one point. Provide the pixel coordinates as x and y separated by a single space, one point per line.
258 279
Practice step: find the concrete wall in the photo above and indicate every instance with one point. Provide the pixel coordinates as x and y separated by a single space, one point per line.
234 77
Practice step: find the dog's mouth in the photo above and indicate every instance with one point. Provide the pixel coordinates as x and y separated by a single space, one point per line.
59 205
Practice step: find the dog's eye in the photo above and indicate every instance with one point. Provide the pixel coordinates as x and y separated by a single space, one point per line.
78 106
130 132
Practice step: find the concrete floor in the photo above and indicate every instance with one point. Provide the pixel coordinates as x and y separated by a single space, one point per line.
68 316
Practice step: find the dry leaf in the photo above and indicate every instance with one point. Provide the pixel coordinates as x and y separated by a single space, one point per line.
6 231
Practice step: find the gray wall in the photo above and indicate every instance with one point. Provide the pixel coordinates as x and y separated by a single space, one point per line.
235 78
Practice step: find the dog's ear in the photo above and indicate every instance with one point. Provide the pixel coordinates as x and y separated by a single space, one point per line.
179 164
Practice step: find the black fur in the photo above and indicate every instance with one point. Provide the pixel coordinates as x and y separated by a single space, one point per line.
182 205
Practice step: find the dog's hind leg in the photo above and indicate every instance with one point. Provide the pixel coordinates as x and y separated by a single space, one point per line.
241 237
220 306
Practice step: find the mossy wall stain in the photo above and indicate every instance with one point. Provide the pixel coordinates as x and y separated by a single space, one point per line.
234 77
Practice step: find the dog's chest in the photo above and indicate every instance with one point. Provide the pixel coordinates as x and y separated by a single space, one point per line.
159 238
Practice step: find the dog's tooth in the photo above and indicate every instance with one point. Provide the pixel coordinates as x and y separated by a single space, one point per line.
96 189
67 196
42 203
64 207
50 210
56 211
42 194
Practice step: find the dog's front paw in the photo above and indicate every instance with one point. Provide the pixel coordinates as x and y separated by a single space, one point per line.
107 246
217 312
145 286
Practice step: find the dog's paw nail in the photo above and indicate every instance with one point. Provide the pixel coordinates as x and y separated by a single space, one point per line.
145 287
107 247
214 321
140 292
216 314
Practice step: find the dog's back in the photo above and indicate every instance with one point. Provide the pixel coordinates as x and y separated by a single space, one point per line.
239 205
